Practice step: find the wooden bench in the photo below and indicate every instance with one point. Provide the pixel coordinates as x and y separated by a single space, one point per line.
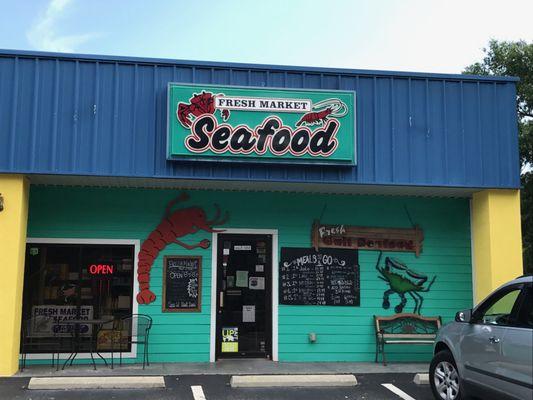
404 329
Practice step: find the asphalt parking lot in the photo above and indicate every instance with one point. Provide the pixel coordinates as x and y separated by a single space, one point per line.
210 387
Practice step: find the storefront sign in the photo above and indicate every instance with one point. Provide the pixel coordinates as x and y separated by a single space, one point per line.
258 124
366 238
52 320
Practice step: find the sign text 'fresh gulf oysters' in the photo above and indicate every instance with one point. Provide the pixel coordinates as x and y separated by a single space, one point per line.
258 124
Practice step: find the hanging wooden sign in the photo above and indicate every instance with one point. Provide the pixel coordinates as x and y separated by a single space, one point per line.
367 238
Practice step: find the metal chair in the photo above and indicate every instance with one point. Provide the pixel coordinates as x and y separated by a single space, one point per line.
138 327
31 341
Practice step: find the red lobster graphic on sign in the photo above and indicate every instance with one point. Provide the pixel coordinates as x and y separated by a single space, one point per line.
175 224
200 103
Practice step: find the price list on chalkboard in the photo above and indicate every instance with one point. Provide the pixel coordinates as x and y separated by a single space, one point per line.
182 283
325 277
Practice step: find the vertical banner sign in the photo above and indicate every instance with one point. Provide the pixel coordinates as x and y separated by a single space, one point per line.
258 124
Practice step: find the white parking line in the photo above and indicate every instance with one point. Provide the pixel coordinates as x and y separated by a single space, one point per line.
197 393
397 391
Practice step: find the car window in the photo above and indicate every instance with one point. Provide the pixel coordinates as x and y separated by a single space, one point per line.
525 314
499 309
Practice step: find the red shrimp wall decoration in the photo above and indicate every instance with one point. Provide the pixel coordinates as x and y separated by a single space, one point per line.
174 225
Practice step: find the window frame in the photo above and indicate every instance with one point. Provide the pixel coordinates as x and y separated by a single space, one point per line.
92 241
495 297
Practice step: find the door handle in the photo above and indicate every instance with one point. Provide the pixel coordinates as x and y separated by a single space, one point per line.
494 340
221 296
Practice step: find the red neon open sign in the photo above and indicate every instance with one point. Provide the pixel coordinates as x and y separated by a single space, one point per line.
101 269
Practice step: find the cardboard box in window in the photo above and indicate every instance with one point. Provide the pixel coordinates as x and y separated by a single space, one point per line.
123 301
86 293
109 325
109 339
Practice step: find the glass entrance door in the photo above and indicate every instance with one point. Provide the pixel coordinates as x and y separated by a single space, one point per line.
244 301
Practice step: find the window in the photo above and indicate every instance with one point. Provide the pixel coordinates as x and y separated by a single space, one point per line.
75 281
500 308
525 315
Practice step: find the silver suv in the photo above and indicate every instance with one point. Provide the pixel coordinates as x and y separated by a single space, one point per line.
488 351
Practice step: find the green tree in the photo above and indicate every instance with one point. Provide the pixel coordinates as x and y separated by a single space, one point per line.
516 59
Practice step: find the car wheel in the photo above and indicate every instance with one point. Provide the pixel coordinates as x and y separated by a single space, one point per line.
444 377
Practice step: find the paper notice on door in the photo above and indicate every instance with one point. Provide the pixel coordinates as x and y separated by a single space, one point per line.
231 281
259 268
242 279
225 252
256 283
248 313
242 248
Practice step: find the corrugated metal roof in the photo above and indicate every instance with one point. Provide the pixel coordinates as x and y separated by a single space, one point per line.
271 67
106 116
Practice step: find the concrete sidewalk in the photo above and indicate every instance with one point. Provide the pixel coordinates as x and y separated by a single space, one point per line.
228 367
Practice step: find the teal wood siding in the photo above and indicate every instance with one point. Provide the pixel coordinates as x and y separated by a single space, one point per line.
343 333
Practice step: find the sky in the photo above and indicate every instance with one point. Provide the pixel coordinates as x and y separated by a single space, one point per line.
402 35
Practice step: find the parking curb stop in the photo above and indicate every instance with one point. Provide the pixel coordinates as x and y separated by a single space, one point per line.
250 381
100 382
421 379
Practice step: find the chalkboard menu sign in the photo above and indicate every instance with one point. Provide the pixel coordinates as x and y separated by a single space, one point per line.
328 277
182 283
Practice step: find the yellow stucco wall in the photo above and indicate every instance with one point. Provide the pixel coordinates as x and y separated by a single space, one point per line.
13 220
497 239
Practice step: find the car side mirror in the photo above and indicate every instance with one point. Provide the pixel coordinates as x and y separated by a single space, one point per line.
463 316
